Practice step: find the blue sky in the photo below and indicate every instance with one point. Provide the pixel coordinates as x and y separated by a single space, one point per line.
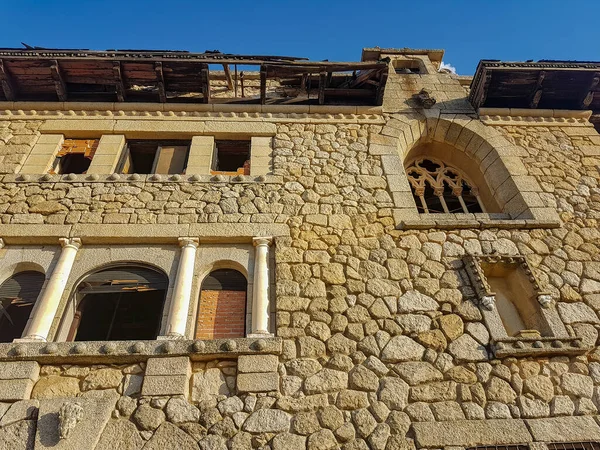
325 29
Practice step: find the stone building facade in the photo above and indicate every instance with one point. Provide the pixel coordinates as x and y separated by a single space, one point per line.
419 273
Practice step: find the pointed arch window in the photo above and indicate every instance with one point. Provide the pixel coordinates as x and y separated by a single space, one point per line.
440 188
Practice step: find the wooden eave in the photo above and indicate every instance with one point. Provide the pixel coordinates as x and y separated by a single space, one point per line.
569 85
164 76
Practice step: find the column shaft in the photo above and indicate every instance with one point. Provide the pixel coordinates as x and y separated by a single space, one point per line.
260 300
48 302
180 301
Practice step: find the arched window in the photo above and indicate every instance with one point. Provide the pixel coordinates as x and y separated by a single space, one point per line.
439 188
119 303
17 297
222 310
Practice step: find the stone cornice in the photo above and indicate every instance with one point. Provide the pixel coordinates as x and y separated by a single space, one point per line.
534 117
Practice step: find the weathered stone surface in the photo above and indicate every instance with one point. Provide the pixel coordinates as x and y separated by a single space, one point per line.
257 363
18 436
322 440
55 387
208 384
577 384
500 391
540 386
327 380
417 372
21 410
169 436
394 393
413 301
287 441
577 312
452 326
402 348
267 421
258 382
466 433
147 417
349 399
363 379
102 379
179 411
120 434
564 429
465 348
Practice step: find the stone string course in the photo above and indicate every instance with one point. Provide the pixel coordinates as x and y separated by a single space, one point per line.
383 344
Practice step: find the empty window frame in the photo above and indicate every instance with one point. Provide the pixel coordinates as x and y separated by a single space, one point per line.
231 157
75 156
438 188
222 309
17 298
407 66
119 303
147 156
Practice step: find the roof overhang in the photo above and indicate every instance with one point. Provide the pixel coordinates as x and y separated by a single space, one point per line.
376 53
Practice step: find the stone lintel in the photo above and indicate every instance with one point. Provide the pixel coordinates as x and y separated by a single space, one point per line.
258 382
257 363
470 433
564 429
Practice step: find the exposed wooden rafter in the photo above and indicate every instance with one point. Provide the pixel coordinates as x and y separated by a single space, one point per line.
160 81
381 88
205 81
537 92
8 86
119 85
322 86
228 76
59 82
263 85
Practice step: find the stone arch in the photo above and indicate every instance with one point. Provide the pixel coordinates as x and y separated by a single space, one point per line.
122 300
491 158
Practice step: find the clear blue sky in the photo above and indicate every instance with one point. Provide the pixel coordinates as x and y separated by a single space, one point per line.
324 29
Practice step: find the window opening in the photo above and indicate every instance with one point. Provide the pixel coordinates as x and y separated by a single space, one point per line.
122 303
163 157
75 156
438 188
232 156
17 298
222 310
406 66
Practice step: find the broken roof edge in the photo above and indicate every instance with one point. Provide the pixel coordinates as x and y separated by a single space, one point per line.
374 53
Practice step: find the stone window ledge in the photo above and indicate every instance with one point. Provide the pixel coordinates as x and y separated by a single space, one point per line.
138 178
135 351
538 346
459 221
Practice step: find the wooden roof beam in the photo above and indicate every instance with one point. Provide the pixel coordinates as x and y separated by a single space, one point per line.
228 76
59 82
322 86
8 86
158 69
381 88
120 86
589 96
537 90
263 85
205 80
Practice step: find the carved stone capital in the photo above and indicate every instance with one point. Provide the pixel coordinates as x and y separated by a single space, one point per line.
262 241
488 302
545 300
188 242
70 243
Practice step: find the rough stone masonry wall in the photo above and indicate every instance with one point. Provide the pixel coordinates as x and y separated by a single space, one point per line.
381 337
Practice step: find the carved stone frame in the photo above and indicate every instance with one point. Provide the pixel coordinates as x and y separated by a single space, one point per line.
558 342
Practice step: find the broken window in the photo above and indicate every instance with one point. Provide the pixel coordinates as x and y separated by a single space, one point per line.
75 156
17 297
438 188
222 310
232 157
407 66
119 303
164 157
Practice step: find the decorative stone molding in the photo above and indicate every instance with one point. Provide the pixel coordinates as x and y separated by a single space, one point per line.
69 414
104 352
534 117
538 346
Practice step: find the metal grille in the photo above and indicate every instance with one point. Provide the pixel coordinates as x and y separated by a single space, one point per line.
500 447
574 446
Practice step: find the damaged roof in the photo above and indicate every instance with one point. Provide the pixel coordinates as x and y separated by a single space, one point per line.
38 74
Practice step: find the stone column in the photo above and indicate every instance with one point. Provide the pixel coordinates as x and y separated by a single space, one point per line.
260 297
47 304
180 301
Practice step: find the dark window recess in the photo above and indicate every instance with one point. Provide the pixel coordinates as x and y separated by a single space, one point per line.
17 296
74 163
232 156
122 303
225 280
574 446
403 67
75 156
145 157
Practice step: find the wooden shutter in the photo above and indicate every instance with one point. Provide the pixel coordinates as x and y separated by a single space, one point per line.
171 159
85 146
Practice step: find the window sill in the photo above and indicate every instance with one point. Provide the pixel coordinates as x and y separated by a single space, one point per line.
458 221
548 346
135 351
139 178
